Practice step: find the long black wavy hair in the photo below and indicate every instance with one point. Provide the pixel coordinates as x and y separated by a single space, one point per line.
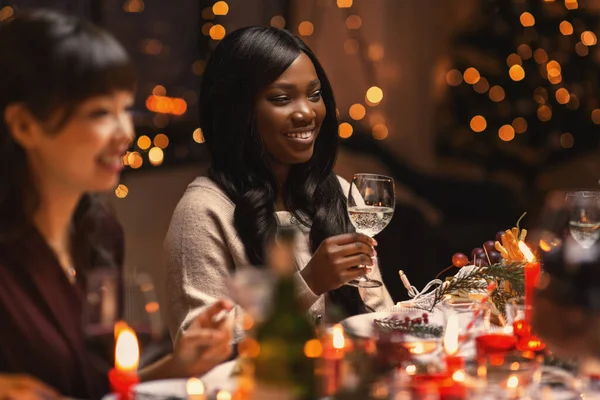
50 63
246 61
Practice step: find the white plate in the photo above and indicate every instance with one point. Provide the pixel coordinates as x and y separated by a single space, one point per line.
362 325
219 378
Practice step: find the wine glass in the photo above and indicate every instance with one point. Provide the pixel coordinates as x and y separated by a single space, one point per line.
584 217
371 203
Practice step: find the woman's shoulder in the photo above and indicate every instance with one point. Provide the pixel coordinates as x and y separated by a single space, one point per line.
203 195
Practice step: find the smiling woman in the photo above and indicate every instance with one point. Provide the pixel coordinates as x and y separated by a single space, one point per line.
269 120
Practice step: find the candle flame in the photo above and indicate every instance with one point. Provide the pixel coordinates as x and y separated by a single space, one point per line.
339 342
127 351
411 369
194 387
418 349
451 335
526 252
459 376
512 382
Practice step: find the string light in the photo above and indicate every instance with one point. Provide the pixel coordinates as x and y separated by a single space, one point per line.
482 86
540 56
278 22
566 28
588 38
206 28
166 105
573 102
374 96
121 191
152 47
496 94
524 51
519 124
135 160
527 19
306 28
133 6
596 116
207 13
6 13
198 136
345 130
159 90
161 141
581 49
156 156
454 77
217 32
567 140
506 133
353 22
540 95
144 142
562 96
571 4
344 3
220 8
513 59
544 113
375 52
357 111
471 76
516 73
478 123
380 131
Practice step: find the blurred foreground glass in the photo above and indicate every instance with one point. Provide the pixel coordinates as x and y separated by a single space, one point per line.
252 289
584 217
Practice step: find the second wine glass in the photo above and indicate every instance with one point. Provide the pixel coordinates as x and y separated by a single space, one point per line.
371 204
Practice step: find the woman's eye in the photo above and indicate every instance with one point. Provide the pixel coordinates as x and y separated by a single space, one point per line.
316 94
280 99
99 113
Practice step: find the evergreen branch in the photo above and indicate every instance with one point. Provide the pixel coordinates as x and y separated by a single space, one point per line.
422 331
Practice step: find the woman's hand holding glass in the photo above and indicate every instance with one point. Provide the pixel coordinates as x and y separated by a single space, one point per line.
206 343
334 262
24 387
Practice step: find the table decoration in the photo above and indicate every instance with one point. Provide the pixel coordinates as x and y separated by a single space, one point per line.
127 356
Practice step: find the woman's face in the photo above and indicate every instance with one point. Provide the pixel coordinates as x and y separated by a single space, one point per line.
289 113
84 155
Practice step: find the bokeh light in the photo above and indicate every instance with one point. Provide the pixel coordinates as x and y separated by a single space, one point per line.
357 111
506 133
345 130
478 123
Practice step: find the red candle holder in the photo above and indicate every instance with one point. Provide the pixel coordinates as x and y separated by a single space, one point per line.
121 383
454 363
440 384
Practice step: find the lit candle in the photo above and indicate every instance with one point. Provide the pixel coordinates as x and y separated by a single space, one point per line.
532 275
453 362
512 385
334 348
127 356
195 389
223 395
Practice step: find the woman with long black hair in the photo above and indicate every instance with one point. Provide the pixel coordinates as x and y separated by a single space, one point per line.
66 89
268 116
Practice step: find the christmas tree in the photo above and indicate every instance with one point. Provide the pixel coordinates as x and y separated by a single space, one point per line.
523 88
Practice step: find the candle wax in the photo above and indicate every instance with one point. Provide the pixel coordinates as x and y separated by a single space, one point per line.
121 382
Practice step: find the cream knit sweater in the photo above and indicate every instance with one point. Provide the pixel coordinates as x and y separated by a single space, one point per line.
203 250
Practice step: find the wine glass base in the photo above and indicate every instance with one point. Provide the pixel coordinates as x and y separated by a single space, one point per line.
365 283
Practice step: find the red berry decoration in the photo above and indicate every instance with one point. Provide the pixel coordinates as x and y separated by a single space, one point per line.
459 260
477 252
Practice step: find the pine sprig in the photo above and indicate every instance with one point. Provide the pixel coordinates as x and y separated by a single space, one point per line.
422 331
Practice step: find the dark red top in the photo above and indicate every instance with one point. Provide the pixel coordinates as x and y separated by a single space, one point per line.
41 331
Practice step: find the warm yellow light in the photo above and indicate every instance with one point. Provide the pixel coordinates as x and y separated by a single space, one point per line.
217 32
161 140
562 96
121 191
220 8
357 111
353 22
519 124
194 387
581 49
526 251
596 116
156 156
351 46
571 4
375 52
540 95
516 73
478 123
588 38
540 56
544 113
131 6
454 77
496 94
345 130
411 369
313 348
506 133
482 86
555 79
144 142
513 382
451 335
566 28
527 19
339 341
344 3
249 347
471 76
380 131
6 13
513 59
198 136
278 22
159 90
152 46
567 140
223 395
525 51
374 95
306 28
127 351
135 160
206 28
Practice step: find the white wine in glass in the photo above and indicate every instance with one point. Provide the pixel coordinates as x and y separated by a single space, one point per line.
371 204
584 217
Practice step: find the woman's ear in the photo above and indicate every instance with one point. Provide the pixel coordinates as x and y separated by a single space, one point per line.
22 125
